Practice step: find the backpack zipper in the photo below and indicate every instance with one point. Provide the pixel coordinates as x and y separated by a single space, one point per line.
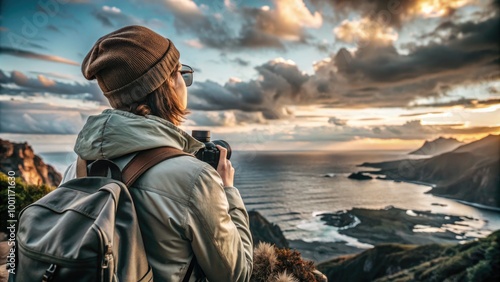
49 273
107 254
88 262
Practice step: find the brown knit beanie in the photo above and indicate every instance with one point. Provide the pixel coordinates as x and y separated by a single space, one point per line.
130 63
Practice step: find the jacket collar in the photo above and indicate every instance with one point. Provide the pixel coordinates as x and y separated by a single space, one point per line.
115 133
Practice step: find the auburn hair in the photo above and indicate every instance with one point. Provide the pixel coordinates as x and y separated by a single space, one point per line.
162 102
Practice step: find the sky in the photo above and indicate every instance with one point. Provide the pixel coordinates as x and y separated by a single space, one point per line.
269 75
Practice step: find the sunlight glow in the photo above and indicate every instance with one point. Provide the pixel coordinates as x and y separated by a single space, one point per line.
438 8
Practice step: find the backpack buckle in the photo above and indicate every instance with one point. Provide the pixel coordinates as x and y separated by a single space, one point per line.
49 273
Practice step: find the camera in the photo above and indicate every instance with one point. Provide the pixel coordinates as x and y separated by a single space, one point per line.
210 154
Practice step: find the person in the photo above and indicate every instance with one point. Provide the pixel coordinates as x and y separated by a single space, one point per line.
186 209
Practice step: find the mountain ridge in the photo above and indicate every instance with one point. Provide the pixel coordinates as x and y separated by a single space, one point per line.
437 146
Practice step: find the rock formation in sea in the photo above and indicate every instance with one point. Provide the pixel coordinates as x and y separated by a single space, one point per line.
20 158
359 176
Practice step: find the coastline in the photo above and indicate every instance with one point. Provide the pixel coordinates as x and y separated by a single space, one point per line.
476 205
432 185
472 204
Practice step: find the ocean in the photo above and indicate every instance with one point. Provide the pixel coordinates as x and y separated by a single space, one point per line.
291 188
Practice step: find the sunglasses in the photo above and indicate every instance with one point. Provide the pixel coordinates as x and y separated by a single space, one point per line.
187 74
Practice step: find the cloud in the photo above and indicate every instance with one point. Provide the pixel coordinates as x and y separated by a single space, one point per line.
240 62
224 118
113 17
380 76
28 117
195 43
369 119
419 114
250 28
286 21
374 75
365 30
411 130
36 123
337 121
394 13
56 75
43 84
32 55
279 83
329 134
464 102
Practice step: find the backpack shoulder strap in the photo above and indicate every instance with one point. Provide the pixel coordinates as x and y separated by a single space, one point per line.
81 167
146 159
141 162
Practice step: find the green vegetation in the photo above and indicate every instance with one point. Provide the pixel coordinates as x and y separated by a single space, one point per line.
25 194
474 261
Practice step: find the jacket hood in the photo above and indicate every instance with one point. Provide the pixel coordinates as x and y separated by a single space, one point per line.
115 133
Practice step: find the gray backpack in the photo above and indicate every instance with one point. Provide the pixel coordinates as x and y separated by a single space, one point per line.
87 228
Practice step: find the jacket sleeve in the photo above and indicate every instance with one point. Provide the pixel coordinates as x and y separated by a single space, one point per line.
218 227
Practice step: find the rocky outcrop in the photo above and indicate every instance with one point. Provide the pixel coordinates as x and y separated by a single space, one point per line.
359 176
20 158
437 146
264 231
468 173
340 219
398 226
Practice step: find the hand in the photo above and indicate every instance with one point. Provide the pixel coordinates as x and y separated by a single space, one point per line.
224 168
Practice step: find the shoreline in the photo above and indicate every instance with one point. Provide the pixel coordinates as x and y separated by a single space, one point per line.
432 185
476 205
472 204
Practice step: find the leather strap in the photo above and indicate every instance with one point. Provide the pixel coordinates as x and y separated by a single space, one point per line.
81 167
146 159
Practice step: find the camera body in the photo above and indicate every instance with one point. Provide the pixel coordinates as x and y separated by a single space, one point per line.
210 154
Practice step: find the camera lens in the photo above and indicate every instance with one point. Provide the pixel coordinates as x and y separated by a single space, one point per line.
201 135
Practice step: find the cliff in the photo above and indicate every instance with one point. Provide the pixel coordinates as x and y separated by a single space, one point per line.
20 158
264 231
468 173
437 146
474 261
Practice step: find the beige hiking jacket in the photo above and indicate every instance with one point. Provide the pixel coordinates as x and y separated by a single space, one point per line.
182 206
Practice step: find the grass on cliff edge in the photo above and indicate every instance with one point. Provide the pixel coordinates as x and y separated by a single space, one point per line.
25 194
474 261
